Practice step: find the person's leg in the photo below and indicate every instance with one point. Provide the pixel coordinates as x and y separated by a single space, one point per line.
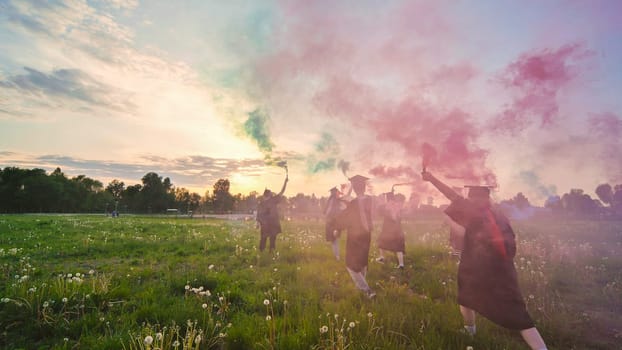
262 242
361 283
400 259
272 242
533 339
335 246
380 257
468 315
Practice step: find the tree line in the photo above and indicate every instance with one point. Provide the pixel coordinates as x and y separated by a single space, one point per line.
35 191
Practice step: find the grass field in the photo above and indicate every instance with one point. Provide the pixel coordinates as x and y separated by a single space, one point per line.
92 282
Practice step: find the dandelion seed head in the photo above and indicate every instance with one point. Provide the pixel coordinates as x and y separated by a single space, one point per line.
268 318
352 325
266 302
148 340
204 306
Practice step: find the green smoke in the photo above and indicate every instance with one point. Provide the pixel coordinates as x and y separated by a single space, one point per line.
324 156
256 126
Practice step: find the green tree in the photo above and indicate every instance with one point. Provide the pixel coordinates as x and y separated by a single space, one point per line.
156 193
223 200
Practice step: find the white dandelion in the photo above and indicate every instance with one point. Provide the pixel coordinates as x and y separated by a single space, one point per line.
148 340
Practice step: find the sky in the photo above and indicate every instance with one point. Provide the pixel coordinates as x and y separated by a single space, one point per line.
520 95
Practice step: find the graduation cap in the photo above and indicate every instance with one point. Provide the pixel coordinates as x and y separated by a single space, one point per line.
478 191
358 179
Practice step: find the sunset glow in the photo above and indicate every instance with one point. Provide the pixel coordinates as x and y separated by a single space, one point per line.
523 95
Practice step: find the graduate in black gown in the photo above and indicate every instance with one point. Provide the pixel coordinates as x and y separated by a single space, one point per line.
268 217
487 279
391 237
357 221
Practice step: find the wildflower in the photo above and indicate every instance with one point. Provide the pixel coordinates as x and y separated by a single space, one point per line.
336 316
45 304
352 325
65 300
268 318
211 267
221 299
148 340
187 287
101 319
91 272
323 329
176 344
204 306
197 339
266 302
370 315
66 339
159 336
531 296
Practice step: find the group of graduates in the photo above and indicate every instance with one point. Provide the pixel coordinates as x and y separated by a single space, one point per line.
487 278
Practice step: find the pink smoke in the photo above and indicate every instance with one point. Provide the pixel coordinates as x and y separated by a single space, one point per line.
607 127
536 80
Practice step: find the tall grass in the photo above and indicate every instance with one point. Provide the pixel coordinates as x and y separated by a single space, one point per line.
88 282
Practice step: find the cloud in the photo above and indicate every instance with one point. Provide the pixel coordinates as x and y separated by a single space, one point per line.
67 84
122 4
190 171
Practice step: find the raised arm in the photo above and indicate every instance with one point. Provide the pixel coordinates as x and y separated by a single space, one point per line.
443 188
284 186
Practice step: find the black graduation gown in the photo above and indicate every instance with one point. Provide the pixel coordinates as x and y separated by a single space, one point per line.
268 216
333 207
358 237
487 279
391 236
